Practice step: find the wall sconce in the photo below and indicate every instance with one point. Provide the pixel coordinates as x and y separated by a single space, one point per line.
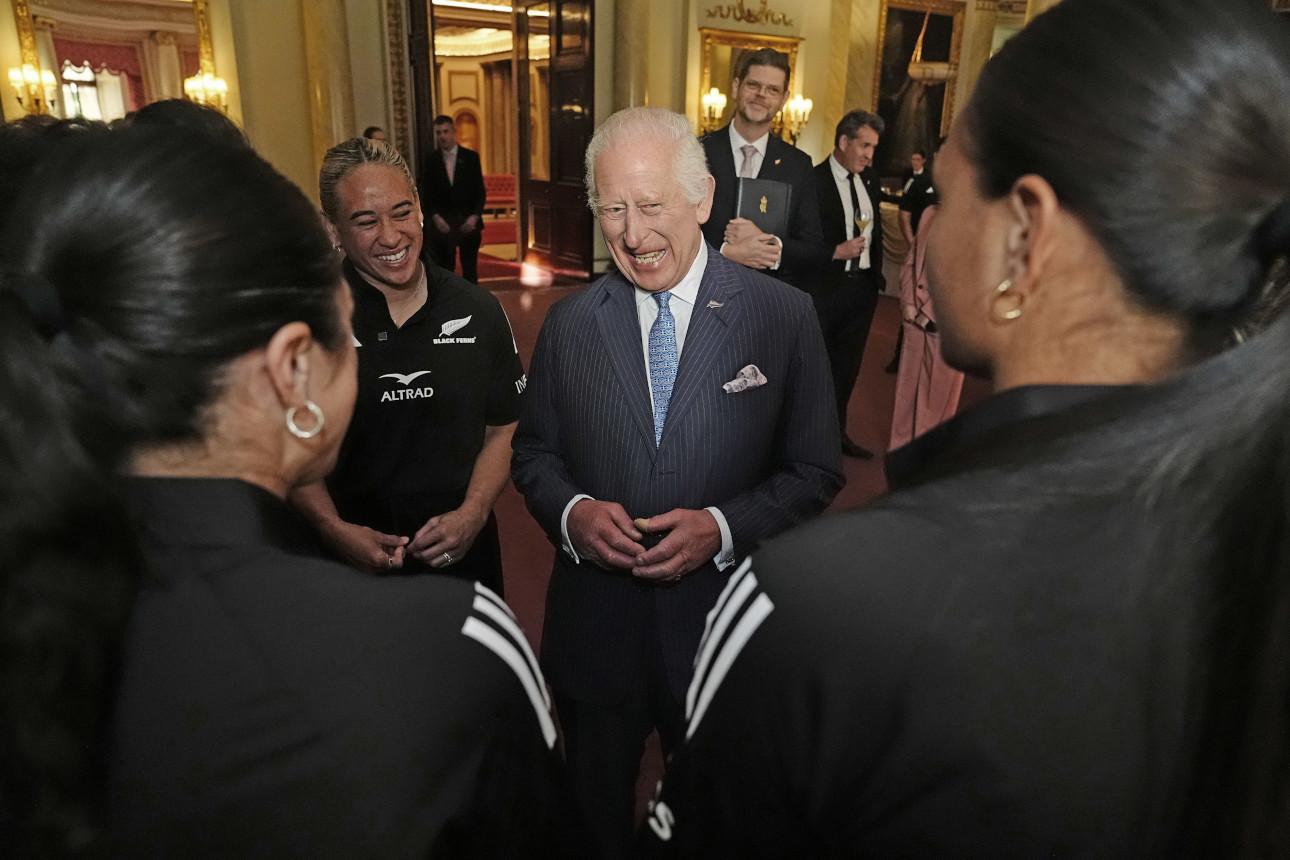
35 89
207 89
714 103
796 114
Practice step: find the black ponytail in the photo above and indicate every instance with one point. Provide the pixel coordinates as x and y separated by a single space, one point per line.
144 262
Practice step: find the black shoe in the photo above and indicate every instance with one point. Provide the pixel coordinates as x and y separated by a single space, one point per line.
851 449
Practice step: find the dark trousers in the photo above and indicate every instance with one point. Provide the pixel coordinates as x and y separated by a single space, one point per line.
603 747
445 246
845 307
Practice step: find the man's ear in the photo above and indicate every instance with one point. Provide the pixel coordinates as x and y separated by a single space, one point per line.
705 205
286 360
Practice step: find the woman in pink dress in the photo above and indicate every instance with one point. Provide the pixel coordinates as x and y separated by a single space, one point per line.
927 389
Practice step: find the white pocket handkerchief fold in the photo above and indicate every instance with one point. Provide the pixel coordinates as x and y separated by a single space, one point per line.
749 377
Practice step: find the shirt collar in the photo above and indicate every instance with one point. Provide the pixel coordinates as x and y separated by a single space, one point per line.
737 139
687 289
985 422
215 512
840 173
452 152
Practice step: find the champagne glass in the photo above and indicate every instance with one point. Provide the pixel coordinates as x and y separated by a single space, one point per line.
862 220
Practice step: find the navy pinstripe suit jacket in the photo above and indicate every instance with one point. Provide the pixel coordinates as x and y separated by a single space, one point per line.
768 457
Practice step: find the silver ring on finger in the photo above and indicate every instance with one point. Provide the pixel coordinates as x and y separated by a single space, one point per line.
389 562
447 558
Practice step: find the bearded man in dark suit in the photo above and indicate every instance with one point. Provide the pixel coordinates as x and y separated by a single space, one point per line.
746 148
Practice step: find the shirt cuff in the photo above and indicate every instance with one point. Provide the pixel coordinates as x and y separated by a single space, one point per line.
725 557
775 268
565 543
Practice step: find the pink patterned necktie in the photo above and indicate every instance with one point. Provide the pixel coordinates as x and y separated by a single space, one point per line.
746 169
450 165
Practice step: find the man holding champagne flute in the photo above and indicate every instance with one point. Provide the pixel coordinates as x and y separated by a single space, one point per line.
849 194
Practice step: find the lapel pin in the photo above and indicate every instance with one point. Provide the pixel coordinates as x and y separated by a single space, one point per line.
777 161
714 304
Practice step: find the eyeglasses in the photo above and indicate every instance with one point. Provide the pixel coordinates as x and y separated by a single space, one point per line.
757 88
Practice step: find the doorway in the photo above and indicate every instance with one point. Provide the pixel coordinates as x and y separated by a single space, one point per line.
516 79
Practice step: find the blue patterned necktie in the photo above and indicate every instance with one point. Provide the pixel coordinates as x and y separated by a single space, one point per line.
662 361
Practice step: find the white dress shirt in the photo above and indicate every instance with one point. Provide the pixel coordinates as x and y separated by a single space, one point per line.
910 180
684 295
450 164
866 206
737 144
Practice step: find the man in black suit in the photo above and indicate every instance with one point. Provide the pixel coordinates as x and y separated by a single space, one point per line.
452 197
678 412
746 148
849 193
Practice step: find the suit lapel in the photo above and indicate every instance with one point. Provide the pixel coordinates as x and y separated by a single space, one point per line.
621 330
835 216
721 159
772 166
705 338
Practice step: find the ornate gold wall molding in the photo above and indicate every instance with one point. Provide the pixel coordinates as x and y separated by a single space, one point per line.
763 15
396 38
26 32
205 47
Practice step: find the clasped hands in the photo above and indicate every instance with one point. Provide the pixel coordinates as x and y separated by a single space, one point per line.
449 535
604 534
745 243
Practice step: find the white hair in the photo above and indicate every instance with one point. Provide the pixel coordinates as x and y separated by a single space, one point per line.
690 165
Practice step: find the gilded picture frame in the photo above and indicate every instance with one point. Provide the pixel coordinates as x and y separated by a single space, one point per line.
951 10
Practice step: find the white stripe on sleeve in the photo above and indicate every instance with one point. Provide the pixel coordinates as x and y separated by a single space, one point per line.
510 655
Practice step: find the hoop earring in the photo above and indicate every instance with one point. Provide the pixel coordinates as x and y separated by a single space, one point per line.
319 421
1002 290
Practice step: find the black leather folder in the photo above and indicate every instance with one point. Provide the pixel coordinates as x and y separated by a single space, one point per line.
765 203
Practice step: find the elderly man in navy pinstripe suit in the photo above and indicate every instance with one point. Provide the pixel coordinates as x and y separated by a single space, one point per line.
678 412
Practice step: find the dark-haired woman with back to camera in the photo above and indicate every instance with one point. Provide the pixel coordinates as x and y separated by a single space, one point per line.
1067 631
184 674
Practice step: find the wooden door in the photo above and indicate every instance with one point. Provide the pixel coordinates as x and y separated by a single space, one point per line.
554 78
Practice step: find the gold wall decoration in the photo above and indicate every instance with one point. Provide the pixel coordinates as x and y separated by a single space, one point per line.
737 11
396 41
26 32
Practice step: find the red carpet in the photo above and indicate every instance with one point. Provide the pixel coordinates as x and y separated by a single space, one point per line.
499 232
492 268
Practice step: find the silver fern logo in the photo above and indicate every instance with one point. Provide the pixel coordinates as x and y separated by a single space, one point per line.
451 327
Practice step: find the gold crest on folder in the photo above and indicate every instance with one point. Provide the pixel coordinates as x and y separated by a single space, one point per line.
763 204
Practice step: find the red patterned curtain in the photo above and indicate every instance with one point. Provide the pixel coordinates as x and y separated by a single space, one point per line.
115 58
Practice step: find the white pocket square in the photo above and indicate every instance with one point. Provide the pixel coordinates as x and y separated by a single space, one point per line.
749 377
